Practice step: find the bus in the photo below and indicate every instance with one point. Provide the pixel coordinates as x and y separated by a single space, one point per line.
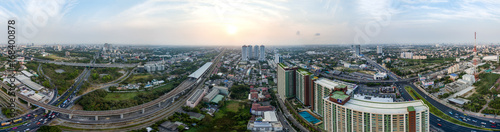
18 120
5 123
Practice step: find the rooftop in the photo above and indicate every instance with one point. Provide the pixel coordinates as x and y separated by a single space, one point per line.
304 72
201 70
339 95
382 107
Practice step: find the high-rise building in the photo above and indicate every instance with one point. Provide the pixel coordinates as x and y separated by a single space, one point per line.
304 88
343 113
278 58
256 52
286 81
357 50
322 87
379 50
262 56
244 55
249 52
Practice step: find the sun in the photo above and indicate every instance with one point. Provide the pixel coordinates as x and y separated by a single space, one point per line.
231 29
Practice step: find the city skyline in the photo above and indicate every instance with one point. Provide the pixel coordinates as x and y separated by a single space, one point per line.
234 23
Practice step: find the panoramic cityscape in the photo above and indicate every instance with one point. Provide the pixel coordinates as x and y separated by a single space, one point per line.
237 66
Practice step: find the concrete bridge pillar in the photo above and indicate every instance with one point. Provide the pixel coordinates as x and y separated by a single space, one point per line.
29 104
70 116
143 110
96 118
121 116
159 104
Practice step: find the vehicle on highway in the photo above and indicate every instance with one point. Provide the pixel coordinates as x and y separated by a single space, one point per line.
438 120
483 123
474 121
439 124
6 123
18 120
482 126
38 123
493 126
14 128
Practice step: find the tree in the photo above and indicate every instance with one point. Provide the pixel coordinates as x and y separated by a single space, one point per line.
113 88
180 127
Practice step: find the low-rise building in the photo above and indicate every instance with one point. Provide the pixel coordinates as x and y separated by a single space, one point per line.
196 97
268 122
258 109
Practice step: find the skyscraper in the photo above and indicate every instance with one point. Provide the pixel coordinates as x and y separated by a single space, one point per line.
278 58
262 53
304 89
244 54
256 52
357 50
286 81
249 52
379 50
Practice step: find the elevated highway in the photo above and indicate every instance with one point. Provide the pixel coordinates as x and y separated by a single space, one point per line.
163 100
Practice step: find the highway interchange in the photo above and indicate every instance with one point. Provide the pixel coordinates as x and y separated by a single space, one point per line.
37 118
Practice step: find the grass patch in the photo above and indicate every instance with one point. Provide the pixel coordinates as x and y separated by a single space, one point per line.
102 100
117 96
138 78
441 114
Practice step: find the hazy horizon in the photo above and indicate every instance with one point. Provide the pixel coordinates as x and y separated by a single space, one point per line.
259 22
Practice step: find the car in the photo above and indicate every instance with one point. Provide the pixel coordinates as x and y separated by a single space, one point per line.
493 126
483 123
439 124
438 120
474 121
482 126
38 123
14 128
27 129
40 119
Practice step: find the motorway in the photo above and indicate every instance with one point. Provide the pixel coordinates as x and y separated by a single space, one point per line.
434 120
480 122
30 122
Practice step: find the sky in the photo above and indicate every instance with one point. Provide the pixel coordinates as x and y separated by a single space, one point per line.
254 22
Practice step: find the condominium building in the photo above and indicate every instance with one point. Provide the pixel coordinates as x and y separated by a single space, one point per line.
244 54
286 81
358 115
407 55
249 52
357 50
322 87
256 52
262 55
379 50
304 89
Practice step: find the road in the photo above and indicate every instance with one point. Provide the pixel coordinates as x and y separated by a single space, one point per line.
456 113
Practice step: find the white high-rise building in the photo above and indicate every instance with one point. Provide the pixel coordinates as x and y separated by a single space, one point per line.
244 55
262 56
379 49
256 52
249 52
278 58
